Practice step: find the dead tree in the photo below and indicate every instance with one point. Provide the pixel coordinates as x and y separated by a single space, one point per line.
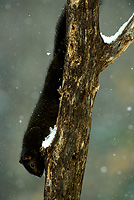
87 56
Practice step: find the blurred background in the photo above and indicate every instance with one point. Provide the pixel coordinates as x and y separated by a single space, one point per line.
27 30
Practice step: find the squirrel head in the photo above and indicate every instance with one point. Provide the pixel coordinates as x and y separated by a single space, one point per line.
33 162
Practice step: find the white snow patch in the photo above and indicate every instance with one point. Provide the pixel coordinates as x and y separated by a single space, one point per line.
48 140
48 53
112 38
111 58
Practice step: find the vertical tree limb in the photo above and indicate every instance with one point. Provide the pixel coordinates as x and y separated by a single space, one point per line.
86 56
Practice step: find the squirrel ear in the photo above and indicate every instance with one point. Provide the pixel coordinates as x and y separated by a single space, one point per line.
25 158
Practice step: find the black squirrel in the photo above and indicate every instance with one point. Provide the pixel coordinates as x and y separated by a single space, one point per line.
46 110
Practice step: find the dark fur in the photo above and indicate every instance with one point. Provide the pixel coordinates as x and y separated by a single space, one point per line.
46 110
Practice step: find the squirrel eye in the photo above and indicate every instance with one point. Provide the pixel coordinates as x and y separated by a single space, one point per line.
32 165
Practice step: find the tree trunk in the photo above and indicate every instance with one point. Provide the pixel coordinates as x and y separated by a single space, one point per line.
87 55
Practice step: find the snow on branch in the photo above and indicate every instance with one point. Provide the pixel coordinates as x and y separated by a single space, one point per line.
115 45
112 38
48 140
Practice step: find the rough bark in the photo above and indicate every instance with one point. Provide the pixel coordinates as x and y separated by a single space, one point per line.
87 55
